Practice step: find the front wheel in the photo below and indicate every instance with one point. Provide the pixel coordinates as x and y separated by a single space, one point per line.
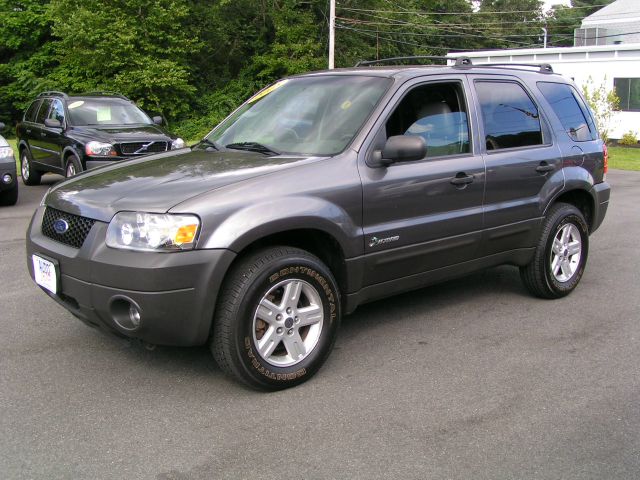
561 254
72 167
277 318
9 197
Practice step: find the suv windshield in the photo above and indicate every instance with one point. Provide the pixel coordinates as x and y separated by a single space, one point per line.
310 115
107 111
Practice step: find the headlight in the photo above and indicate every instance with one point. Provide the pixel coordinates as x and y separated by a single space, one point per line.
8 151
152 232
100 149
177 143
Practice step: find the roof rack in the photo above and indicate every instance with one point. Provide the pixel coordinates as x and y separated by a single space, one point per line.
53 93
460 61
542 67
106 93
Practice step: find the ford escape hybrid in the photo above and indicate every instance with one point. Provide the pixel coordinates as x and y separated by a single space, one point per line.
322 192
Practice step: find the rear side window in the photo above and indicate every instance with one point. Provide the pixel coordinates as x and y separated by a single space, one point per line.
30 114
44 110
570 110
510 117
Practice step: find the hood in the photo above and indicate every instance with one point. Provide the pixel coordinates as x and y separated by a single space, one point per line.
122 133
157 183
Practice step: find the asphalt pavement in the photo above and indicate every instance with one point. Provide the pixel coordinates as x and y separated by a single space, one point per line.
471 379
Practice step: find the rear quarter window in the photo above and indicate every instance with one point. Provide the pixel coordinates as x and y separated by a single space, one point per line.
570 110
30 114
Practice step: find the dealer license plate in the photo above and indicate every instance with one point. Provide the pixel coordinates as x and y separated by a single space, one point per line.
45 273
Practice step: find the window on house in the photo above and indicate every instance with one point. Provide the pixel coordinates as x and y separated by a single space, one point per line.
628 90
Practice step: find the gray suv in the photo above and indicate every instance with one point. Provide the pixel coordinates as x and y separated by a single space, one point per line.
320 193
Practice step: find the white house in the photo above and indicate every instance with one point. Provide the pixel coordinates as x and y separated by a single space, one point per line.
605 55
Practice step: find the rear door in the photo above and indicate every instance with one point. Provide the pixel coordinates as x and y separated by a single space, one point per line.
524 164
39 148
424 214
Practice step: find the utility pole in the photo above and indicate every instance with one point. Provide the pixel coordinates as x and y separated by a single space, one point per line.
332 32
545 36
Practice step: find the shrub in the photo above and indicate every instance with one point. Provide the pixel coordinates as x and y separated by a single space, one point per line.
629 139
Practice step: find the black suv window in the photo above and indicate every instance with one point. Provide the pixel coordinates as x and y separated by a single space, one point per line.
30 114
569 108
57 111
437 113
44 110
510 117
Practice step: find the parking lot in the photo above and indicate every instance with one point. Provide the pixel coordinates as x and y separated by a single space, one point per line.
472 379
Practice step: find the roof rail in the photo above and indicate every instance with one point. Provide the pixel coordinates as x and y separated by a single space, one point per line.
460 61
53 93
542 67
106 93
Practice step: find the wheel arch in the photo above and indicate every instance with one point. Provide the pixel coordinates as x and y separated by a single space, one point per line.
580 198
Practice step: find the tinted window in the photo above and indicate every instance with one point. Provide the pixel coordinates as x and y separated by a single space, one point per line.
30 114
628 90
57 111
510 117
437 113
564 102
44 110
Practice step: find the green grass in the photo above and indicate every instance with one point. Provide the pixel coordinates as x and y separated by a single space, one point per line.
624 158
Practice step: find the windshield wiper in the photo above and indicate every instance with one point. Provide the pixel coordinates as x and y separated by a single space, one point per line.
208 143
253 147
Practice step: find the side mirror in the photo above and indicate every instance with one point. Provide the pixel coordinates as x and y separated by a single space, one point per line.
157 120
1 126
52 123
400 148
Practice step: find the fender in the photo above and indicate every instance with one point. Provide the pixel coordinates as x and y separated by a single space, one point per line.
72 149
257 221
575 178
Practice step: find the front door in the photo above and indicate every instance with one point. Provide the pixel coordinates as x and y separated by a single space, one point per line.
424 214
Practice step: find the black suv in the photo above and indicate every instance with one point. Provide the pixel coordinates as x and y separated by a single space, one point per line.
320 193
67 134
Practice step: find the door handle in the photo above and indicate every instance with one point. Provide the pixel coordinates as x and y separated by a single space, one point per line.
544 167
461 179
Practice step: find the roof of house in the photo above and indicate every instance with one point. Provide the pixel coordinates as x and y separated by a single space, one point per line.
620 11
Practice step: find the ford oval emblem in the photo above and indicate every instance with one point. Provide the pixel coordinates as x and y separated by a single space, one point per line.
61 226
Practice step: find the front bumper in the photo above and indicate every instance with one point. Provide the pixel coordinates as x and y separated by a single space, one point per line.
601 193
8 167
175 292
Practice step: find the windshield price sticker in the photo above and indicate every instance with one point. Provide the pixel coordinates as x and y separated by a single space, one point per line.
45 273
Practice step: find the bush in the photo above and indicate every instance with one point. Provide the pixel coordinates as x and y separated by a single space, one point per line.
629 139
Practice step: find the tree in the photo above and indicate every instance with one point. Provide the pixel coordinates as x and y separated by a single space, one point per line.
603 103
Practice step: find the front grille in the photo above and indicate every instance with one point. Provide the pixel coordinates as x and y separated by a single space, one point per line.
79 227
138 148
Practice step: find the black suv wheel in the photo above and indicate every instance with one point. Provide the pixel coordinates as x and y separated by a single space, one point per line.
30 176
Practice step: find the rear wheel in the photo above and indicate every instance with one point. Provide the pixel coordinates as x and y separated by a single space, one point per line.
30 176
277 318
561 255
72 167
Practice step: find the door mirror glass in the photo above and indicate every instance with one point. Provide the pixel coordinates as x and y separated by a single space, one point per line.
1 126
157 120
52 123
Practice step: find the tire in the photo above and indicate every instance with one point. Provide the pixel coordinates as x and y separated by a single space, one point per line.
561 254
72 166
264 341
9 197
30 176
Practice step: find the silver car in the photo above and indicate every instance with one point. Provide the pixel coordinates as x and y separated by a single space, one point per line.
8 178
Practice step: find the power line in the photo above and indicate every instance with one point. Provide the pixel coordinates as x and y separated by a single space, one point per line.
424 12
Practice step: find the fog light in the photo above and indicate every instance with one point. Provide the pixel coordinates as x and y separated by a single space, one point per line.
7 178
126 313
